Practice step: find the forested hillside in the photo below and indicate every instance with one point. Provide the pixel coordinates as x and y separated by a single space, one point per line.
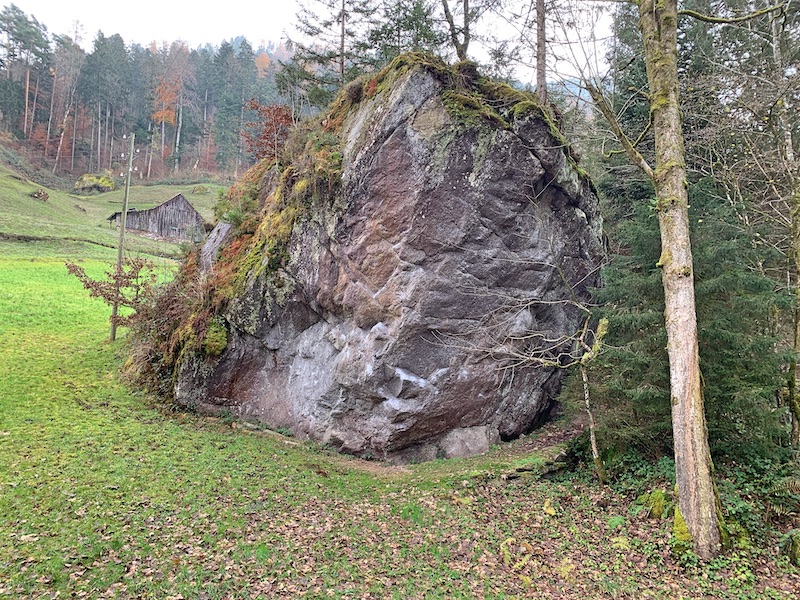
70 109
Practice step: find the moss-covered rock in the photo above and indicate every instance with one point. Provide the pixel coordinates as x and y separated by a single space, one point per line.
216 339
371 234
790 545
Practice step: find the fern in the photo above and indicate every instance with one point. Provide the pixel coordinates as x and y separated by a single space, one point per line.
784 497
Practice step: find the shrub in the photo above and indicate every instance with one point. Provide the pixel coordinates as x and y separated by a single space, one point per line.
94 183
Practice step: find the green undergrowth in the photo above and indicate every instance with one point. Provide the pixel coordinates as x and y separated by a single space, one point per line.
104 495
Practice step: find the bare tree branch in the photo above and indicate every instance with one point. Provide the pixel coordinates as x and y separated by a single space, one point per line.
629 146
730 20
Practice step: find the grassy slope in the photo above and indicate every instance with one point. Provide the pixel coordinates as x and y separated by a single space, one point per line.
66 217
103 495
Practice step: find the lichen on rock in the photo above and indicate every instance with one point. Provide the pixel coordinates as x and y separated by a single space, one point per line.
401 258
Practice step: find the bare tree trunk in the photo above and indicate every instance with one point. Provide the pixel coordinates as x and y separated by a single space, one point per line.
589 354
50 116
27 97
793 171
91 146
205 141
99 133
163 140
697 498
151 149
58 149
541 54
238 161
178 128
74 140
343 17
599 468
63 133
460 43
105 137
33 108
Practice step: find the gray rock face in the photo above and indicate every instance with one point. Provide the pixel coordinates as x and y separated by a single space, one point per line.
404 302
215 240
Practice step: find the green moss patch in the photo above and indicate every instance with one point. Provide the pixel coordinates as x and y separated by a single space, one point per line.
657 504
682 540
216 339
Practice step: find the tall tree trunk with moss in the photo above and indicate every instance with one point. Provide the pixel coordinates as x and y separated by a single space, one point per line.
792 170
794 376
697 498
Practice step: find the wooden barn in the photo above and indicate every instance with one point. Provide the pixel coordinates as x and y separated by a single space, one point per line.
174 219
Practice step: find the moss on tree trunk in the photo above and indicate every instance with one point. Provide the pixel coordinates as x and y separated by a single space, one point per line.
697 501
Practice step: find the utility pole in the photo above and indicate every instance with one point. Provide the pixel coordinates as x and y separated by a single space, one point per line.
123 217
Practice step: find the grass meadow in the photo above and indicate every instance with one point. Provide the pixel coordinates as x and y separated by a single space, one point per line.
79 223
105 493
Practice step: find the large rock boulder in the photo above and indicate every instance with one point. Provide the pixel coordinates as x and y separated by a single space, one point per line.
459 236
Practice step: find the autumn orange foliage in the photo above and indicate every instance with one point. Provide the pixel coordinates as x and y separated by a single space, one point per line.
165 101
267 135
263 63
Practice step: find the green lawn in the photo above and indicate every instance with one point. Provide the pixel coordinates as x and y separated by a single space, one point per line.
104 494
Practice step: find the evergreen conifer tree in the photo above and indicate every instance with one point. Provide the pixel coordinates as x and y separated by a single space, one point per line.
743 359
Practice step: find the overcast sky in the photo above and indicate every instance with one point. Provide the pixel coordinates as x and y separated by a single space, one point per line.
144 21
198 23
